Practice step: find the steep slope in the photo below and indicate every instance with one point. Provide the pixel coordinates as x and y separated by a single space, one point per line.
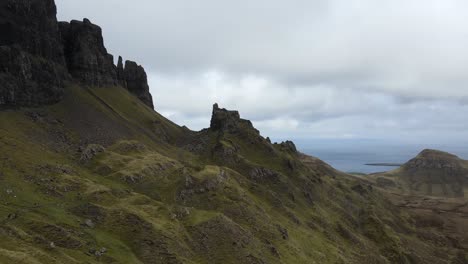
431 188
100 177
431 172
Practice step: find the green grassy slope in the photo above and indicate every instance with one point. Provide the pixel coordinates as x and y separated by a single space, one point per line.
101 178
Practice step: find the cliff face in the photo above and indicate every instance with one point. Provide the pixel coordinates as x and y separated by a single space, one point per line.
102 179
228 121
136 82
87 58
38 55
32 65
90 64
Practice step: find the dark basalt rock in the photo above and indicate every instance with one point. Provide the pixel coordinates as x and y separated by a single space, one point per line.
137 82
32 25
229 121
38 55
222 119
32 66
89 62
121 73
87 58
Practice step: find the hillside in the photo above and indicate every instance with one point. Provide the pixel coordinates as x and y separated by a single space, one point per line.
90 173
431 172
431 188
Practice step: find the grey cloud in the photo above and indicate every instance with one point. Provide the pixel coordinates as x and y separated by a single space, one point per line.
397 46
316 68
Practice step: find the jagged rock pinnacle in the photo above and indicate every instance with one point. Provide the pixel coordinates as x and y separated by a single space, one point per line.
225 120
137 82
121 73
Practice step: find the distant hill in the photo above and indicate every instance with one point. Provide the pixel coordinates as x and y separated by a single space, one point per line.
431 172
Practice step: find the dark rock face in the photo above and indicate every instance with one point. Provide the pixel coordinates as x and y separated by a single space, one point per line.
89 62
137 82
38 55
32 25
32 66
121 73
229 121
87 58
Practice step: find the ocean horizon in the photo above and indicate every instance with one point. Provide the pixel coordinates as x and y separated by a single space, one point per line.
348 156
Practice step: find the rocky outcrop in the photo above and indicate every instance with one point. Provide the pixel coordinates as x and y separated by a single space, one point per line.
32 66
90 152
136 82
90 64
263 174
229 121
121 73
288 146
87 58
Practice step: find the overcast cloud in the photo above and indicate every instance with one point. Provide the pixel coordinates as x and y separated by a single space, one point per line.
299 69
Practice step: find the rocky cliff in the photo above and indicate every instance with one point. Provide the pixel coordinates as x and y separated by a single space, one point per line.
87 58
101 178
136 82
38 55
228 121
32 64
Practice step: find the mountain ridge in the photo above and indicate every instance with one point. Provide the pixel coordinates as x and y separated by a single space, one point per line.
90 173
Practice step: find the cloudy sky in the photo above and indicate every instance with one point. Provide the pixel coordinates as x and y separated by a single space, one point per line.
389 70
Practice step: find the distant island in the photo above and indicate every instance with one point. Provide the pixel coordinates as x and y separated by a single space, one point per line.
384 164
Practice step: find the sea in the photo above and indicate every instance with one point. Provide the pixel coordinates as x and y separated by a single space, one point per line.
352 156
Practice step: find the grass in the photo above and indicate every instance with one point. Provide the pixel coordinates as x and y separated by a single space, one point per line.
157 201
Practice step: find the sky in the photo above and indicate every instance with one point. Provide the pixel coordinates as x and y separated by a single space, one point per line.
337 70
